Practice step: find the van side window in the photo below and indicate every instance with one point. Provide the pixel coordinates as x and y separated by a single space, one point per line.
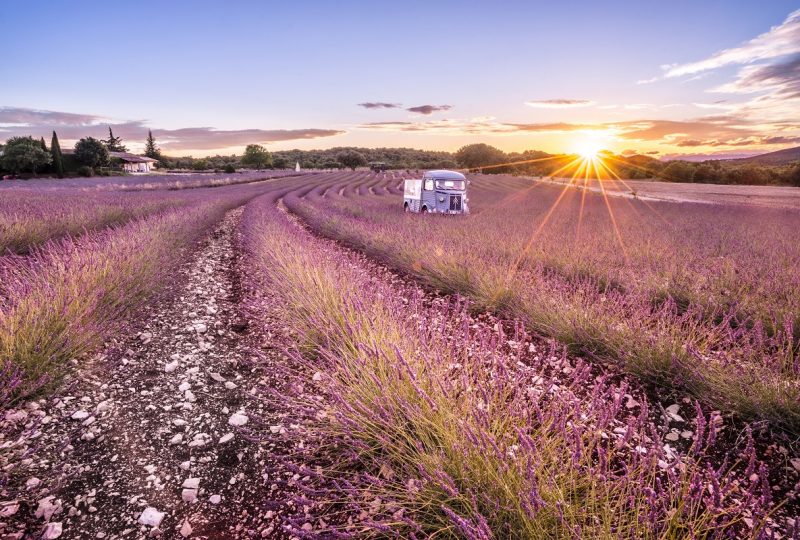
428 184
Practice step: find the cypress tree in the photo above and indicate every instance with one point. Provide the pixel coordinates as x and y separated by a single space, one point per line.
55 151
44 146
114 144
150 148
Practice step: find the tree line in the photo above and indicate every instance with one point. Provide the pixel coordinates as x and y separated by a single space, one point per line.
91 156
25 154
489 159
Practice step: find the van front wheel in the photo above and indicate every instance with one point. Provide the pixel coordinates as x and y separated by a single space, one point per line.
405 207
424 210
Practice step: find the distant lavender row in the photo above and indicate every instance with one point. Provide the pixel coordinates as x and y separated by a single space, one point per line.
701 298
146 182
439 429
29 218
62 300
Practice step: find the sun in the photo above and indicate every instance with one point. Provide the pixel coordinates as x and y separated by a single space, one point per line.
587 149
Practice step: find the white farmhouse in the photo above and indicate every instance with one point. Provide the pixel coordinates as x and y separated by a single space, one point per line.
132 163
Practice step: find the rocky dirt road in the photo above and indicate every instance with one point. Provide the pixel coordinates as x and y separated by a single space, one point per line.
164 435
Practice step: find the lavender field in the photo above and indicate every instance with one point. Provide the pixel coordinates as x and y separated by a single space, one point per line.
293 356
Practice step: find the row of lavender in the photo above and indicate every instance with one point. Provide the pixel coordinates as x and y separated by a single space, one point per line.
440 425
61 299
705 299
146 182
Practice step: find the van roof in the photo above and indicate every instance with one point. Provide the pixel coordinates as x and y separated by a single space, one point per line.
445 175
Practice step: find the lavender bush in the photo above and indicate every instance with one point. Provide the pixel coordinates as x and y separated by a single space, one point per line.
64 298
692 296
445 428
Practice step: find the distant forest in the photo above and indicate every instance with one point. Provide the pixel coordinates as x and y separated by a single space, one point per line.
28 157
531 162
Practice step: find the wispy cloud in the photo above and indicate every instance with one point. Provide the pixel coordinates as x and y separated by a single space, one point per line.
379 105
209 138
709 131
429 109
15 121
779 40
19 115
559 103
781 77
486 125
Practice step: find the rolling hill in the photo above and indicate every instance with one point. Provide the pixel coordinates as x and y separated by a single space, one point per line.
779 157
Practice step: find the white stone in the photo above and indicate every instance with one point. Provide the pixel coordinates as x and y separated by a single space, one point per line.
317 376
184 386
200 328
214 499
52 530
32 482
189 396
189 495
172 366
230 385
191 483
176 439
8 508
80 415
225 438
150 469
151 517
238 419
216 376
103 406
186 529
186 465
47 508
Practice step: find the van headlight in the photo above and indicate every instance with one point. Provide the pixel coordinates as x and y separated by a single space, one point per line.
441 199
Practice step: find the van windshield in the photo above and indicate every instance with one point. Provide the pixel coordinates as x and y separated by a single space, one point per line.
450 184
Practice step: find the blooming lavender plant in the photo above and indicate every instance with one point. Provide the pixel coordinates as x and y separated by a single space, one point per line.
682 295
441 428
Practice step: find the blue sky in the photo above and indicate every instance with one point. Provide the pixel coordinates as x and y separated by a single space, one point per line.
210 77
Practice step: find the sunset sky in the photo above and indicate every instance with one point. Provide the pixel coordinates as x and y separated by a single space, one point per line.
664 78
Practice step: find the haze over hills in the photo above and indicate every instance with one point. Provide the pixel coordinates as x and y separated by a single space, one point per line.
779 157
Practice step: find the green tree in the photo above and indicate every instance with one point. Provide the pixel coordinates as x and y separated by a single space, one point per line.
42 144
351 159
55 154
256 156
23 154
280 162
678 171
150 148
705 174
91 152
114 144
793 175
476 156
200 165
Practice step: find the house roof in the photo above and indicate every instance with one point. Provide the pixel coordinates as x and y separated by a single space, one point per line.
131 158
123 156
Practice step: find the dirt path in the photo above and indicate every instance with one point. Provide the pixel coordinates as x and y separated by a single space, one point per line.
163 437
